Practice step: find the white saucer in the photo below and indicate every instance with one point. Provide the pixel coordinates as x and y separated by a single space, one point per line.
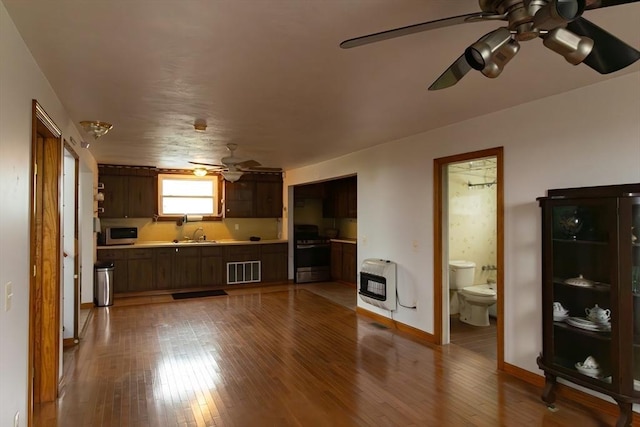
582 323
590 372
560 317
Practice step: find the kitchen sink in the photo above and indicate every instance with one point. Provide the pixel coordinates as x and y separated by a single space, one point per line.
189 241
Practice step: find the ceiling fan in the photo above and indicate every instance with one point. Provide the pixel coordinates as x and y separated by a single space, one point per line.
232 167
558 23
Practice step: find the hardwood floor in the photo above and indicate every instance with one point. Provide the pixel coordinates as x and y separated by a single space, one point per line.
281 356
479 339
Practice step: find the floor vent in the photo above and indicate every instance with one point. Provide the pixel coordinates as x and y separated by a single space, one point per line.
243 272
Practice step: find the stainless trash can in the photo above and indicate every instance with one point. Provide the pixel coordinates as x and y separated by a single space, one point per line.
103 284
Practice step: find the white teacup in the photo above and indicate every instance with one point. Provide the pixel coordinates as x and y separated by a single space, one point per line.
590 363
558 308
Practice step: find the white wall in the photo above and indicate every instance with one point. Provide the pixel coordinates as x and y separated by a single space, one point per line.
586 137
20 81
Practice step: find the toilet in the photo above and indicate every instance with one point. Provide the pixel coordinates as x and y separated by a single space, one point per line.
473 300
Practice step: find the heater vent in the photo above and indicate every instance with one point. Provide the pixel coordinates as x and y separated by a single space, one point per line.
378 283
243 272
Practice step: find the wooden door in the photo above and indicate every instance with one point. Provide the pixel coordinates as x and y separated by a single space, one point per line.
45 259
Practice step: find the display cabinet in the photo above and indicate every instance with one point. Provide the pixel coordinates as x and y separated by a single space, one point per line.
591 292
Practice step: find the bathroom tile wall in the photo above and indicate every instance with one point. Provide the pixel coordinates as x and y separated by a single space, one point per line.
472 222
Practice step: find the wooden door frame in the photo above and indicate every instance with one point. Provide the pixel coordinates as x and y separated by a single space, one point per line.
439 172
45 260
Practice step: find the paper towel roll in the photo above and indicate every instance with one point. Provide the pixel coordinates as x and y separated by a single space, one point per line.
192 218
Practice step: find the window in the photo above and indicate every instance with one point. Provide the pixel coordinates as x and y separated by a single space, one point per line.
187 194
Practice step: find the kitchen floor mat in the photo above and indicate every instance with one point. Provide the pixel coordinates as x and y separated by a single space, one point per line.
199 294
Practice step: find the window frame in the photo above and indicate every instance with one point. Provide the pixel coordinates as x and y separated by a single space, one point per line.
188 175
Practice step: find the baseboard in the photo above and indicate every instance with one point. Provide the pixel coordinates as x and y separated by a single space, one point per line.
569 393
69 342
402 327
86 305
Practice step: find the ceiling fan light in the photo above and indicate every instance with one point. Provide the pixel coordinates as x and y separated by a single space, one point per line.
573 47
200 172
231 176
557 13
492 52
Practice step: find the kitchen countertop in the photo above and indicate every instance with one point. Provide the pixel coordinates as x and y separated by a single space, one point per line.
345 240
164 244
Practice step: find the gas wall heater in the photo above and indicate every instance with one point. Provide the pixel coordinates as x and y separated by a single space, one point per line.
378 283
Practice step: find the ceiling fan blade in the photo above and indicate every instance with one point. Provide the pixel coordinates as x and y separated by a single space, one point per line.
245 164
609 53
262 169
597 4
416 28
452 75
208 164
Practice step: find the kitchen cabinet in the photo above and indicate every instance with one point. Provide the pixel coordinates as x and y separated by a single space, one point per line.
140 269
120 271
212 266
177 267
344 262
164 267
254 196
238 197
591 256
269 199
128 192
274 262
341 199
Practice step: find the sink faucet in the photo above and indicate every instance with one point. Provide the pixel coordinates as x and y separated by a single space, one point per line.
196 232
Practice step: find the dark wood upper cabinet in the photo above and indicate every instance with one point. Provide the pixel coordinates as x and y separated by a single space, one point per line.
128 192
254 196
591 257
341 198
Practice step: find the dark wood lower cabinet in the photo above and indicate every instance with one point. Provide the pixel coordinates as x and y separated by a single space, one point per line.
185 267
274 262
344 261
140 268
211 266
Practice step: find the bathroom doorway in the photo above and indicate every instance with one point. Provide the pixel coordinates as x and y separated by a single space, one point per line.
468 221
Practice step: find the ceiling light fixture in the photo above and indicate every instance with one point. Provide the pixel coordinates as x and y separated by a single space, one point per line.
231 176
96 128
200 171
492 52
572 47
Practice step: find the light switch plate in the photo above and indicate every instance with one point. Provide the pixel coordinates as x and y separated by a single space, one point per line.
8 296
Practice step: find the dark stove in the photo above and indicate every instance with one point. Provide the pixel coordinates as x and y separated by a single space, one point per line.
312 254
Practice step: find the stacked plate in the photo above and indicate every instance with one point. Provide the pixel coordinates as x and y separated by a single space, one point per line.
590 372
560 317
582 323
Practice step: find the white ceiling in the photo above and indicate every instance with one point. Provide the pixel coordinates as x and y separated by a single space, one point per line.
269 75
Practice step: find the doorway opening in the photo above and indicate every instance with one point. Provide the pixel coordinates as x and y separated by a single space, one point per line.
468 251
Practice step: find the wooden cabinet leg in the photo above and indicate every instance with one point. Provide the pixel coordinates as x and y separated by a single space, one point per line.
626 414
549 392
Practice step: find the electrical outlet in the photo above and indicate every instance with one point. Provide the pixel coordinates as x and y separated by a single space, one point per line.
237 227
8 296
415 245
16 420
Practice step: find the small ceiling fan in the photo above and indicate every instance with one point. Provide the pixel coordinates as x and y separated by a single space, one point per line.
558 23
232 167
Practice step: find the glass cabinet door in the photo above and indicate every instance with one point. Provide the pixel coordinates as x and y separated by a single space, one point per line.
583 276
635 289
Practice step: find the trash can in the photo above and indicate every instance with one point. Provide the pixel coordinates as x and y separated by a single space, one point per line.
103 283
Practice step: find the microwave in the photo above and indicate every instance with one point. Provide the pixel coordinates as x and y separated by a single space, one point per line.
120 235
